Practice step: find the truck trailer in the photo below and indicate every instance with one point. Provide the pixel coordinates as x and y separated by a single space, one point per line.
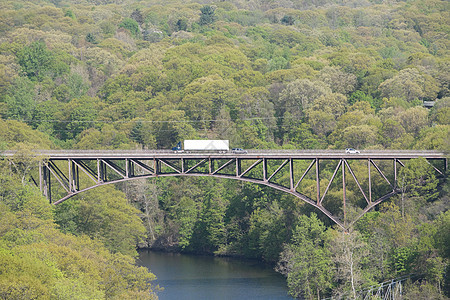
220 146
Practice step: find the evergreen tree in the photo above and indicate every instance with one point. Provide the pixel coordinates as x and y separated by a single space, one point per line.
208 15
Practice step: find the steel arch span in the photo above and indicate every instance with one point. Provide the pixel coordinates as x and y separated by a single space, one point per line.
78 171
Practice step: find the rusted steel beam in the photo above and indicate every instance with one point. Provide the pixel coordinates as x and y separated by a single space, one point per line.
265 169
372 205
41 179
381 173
304 174
436 169
223 166
53 169
291 174
251 167
395 172
344 194
370 181
143 166
317 181
70 174
175 168
331 181
151 167
195 166
277 170
357 182
114 167
238 167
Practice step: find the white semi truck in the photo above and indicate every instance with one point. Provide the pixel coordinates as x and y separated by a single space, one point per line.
221 146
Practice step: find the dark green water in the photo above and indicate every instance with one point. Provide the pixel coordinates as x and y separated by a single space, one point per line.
206 277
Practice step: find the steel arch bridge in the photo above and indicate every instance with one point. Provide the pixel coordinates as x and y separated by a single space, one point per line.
76 171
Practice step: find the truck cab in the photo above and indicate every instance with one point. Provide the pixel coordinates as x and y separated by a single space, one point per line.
177 148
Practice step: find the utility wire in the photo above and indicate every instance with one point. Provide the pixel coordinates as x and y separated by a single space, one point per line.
152 121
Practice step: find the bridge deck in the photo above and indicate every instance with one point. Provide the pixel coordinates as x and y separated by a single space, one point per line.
252 154
77 171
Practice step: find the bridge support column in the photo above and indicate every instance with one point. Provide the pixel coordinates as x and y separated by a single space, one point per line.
395 173
238 167
317 181
344 192
99 171
370 181
73 176
46 182
264 169
291 174
41 179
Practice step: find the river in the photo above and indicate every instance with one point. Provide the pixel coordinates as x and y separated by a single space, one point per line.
186 276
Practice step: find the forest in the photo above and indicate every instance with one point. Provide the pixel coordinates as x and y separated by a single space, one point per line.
263 74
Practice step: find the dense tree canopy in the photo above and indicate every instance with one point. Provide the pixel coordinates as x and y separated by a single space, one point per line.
293 74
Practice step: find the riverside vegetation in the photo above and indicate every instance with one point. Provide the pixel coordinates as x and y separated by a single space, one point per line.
291 74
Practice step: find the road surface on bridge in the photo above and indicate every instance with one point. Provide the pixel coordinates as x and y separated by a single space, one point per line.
252 154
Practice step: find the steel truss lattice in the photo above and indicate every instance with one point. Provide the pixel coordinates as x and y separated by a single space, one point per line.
78 171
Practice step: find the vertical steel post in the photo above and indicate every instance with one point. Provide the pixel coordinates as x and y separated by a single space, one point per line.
49 190
77 178
41 180
127 168
395 173
370 181
238 167
264 169
69 161
158 166
291 174
130 168
317 181
344 191
45 183
99 171
104 172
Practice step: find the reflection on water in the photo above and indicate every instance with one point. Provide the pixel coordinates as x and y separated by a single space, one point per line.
205 277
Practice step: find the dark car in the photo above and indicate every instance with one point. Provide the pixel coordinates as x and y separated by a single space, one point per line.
239 151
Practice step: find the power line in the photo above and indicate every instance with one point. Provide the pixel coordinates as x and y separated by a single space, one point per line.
150 121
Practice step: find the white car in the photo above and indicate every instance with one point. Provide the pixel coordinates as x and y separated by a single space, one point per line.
351 151
238 151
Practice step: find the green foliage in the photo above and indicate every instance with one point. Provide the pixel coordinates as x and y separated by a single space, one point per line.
14 133
40 262
418 180
306 260
267 232
35 60
90 38
207 15
109 75
20 99
69 13
110 220
131 25
182 24
403 259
